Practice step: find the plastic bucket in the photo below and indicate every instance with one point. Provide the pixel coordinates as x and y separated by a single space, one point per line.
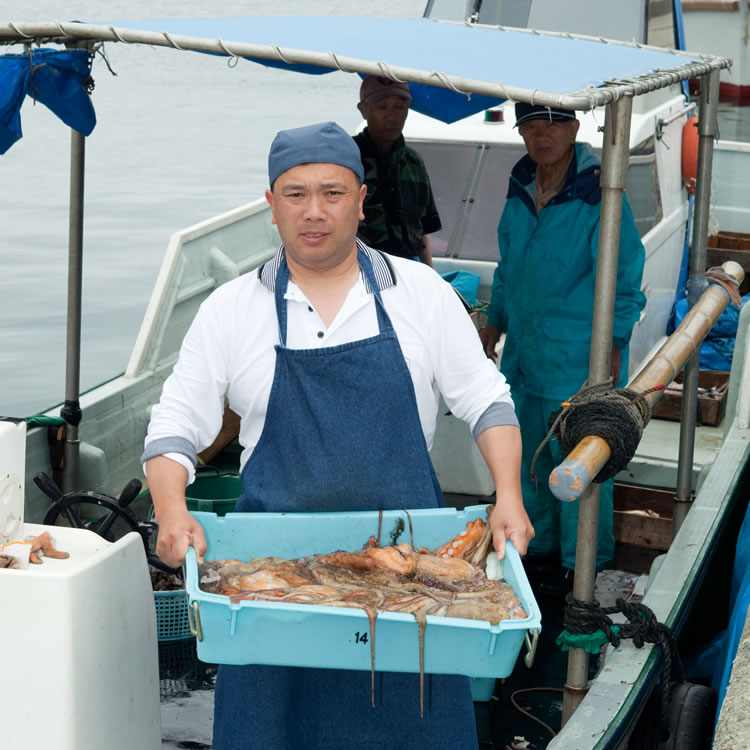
228 461
213 492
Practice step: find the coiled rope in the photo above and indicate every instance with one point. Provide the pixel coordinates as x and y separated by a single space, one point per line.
618 416
588 626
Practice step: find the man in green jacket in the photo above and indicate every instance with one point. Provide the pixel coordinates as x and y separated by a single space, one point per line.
542 299
399 207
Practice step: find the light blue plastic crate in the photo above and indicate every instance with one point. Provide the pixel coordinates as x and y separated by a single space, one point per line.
308 635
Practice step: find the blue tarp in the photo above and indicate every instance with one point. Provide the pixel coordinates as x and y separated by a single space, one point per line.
466 285
56 78
718 346
714 663
418 43
739 601
537 62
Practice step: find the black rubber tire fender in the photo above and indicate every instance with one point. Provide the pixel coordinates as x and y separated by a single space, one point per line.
691 718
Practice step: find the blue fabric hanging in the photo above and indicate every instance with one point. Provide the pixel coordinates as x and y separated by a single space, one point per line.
714 662
466 285
56 78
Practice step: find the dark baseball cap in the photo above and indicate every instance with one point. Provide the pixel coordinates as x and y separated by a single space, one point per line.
375 88
526 112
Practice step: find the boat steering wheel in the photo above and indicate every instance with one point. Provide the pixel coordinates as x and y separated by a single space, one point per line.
83 509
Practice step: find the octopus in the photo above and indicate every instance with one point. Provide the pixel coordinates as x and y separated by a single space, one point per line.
448 581
43 545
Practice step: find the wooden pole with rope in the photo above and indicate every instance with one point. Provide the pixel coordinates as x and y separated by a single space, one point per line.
569 480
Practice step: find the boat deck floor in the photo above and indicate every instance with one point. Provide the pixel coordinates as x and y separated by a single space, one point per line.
186 690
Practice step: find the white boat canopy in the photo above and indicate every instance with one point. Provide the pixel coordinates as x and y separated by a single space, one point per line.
458 68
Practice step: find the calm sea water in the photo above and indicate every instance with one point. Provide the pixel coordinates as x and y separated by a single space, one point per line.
180 137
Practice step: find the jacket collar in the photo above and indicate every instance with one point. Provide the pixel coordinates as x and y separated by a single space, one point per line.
581 182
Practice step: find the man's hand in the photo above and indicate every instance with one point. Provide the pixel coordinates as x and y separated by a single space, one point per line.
509 520
178 530
489 336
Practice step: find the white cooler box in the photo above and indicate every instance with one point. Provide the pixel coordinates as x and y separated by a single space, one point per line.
79 651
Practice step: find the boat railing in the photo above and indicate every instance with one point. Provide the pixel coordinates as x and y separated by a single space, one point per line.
198 260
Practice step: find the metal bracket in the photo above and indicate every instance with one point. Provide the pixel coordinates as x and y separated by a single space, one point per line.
531 643
662 122
194 620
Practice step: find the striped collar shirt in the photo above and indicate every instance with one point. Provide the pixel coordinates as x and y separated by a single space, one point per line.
384 275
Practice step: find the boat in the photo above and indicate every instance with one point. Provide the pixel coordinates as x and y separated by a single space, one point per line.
721 26
636 98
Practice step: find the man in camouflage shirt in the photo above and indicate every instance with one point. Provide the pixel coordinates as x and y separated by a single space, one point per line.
399 207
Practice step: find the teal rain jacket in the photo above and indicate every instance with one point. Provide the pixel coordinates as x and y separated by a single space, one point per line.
543 289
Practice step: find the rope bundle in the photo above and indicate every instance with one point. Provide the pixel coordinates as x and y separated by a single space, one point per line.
617 416
584 619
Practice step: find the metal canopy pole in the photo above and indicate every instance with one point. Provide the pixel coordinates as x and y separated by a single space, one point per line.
696 285
613 175
71 410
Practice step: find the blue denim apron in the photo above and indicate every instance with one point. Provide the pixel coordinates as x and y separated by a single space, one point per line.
342 432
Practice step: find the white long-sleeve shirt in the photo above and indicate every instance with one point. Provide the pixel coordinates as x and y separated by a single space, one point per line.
229 351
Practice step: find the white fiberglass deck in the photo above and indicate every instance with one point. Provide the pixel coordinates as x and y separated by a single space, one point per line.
655 460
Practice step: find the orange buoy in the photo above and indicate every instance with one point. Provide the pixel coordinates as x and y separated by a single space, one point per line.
690 153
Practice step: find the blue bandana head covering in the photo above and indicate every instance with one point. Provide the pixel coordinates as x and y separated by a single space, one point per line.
324 142
526 112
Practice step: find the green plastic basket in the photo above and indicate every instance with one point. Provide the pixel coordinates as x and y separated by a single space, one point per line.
213 492
172 620
228 461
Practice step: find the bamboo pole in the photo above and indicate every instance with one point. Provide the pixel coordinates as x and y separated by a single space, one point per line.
569 480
